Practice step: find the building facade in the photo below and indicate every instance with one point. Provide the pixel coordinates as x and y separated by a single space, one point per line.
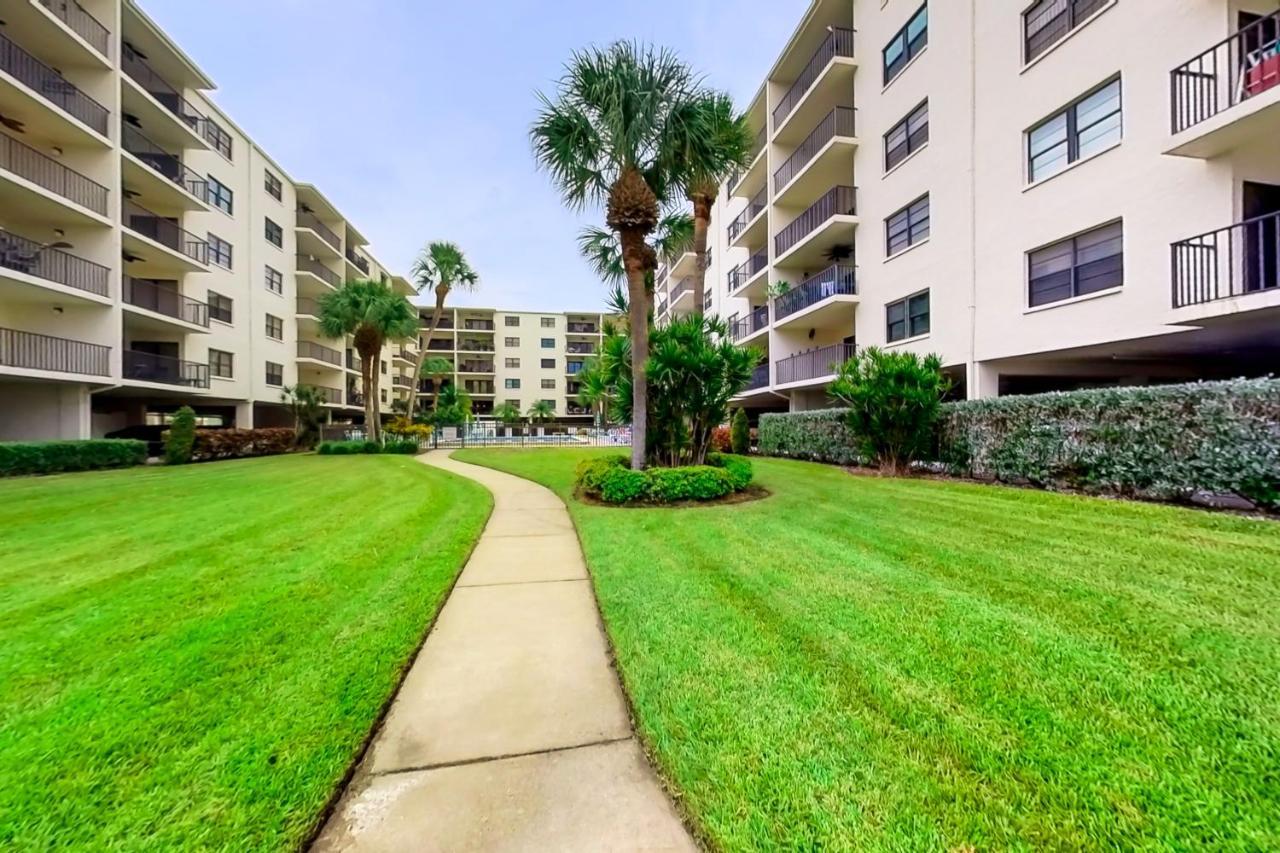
151 254
1042 193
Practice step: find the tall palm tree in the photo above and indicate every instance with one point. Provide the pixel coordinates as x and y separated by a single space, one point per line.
436 368
614 133
441 267
372 314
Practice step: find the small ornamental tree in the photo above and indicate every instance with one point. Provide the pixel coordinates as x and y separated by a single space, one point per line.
894 399
181 437
308 414
740 433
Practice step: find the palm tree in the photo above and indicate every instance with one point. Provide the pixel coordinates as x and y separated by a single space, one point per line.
306 403
441 267
594 390
508 413
372 314
614 134
453 406
671 239
436 368
541 410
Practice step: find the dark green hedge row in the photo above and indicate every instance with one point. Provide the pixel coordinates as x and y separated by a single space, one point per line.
55 457
346 448
612 481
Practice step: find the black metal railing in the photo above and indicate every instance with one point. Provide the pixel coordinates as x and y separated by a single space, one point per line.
167 164
680 288
401 381
748 269
839 122
165 231
580 348
1241 66
132 63
354 362
575 409
359 261
741 327
661 307
319 270
839 42
753 209
31 351
661 273
446 322
319 352
164 369
476 325
28 163
473 386
582 328
440 346
757 144
52 86
307 219
354 398
1238 260
35 259
838 201
81 23
332 396
476 367
310 307
814 364
474 346
759 378
164 298
836 280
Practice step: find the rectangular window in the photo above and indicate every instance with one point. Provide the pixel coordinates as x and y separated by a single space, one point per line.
548 364
511 383
382 392
274 279
907 136
275 234
906 44
382 365
548 322
275 328
1048 22
273 185
908 226
511 342
1086 127
219 251
1086 263
511 321
548 343
219 307
220 196
221 364
907 318
513 363
548 384
275 374
217 137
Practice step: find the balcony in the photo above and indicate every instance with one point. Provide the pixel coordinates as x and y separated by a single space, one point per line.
315 276
160 173
358 261
163 298
401 382
440 346
353 361
309 308
825 300
827 77
580 348
1241 260
81 23
48 87
324 241
660 310
825 156
476 367
750 229
186 251
752 180
475 325
38 170
319 355
759 379
743 328
680 299
176 122
573 368
815 234
329 396
475 386
576 328
747 277
475 346
355 398
683 267
49 264
446 322
817 366
31 351
164 370
1230 94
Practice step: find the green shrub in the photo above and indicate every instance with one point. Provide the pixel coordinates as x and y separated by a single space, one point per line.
612 481
740 433
347 448
821 435
180 438
689 483
738 469
620 485
55 457
406 446
590 472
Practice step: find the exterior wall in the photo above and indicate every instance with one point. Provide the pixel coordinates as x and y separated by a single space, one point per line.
43 411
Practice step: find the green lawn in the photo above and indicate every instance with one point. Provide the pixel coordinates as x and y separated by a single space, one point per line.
191 658
865 663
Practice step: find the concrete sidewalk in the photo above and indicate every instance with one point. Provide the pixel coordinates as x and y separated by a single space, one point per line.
510 731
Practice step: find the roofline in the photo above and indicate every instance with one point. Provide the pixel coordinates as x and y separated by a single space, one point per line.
205 83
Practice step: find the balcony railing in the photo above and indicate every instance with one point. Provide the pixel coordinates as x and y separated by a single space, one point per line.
476 325
29 164
311 265
165 231
307 219
750 324
582 328
35 259
165 299
446 322
1238 260
757 145
575 409
581 349
753 209
308 306
837 280
132 63
476 367
839 42
354 362
332 396
167 164
81 23
473 387
31 351
838 122
474 346
440 346
839 201
318 352
748 269
149 367
573 368
814 364
354 398
1241 66
759 378
401 382
52 86
359 261
680 288
661 307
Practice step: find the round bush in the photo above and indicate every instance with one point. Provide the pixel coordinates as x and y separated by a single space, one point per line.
611 480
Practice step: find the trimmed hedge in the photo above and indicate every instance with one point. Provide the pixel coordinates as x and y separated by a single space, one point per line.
211 444
611 480
821 435
347 448
56 457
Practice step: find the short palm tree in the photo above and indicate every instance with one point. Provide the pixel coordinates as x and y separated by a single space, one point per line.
541 410
672 238
436 368
372 314
594 390
453 406
508 413
615 133
441 267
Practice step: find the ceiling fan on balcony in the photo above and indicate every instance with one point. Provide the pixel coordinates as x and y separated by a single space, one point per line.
13 124
839 253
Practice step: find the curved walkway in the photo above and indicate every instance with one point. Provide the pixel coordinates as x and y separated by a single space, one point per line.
510 731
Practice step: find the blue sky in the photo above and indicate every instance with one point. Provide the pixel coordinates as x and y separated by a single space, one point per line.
413 117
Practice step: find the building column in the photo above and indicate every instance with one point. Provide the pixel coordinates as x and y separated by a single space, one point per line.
75 412
984 380
244 415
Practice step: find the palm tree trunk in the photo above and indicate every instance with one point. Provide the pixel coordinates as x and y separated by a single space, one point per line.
424 349
633 259
701 225
368 374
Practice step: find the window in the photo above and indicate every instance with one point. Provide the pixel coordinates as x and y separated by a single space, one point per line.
382 366
275 279
1048 22
513 362
1086 263
275 328
273 185
275 373
548 384
219 195
551 404
908 226
275 234
548 322
907 318
548 343
511 321
548 364
217 137
906 44
907 136
221 364
219 307
219 251
382 392
1089 125
511 383
511 342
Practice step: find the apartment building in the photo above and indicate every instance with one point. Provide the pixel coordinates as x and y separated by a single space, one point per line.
151 254
516 357
1048 195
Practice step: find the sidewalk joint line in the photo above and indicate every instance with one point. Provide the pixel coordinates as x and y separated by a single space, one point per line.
463 762
520 583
